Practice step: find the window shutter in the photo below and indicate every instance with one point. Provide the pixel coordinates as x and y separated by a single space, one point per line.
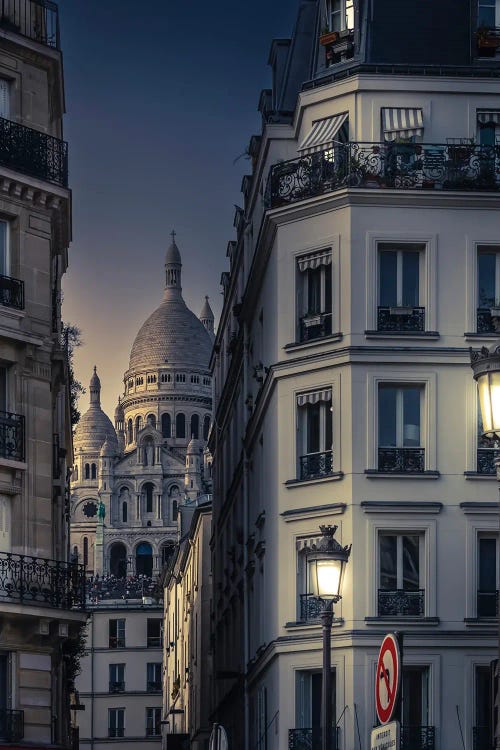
4 98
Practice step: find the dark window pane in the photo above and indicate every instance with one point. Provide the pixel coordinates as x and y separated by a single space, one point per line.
388 562
414 712
328 289
410 279
328 426
387 416
486 279
411 579
487 135
486 14
313 411
483 696
388 278
411 417
487 564
314 291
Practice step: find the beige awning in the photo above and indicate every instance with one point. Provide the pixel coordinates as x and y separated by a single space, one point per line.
322 134
314 397
486 116
314 260
401 122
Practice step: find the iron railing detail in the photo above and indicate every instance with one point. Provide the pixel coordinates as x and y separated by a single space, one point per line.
411 320
34 19
401 460
154 687
486 458
116 732
11 725
12 436
33 153
484 321
316 465
417 738
482 738
12 292
315 326
401 603
400 166
310 738
117 687
39 581
487 603
310 607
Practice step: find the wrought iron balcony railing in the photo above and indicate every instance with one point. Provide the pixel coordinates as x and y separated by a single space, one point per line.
155 641
154 687
482 738
12 292
310 607
316 465
11 436
401 460
315 326
11 725
36 580
487 603
117 687
310 738
401 603
116 641
116 732
33 153
35 19
417 738
398 166
484 321
404 320
486 458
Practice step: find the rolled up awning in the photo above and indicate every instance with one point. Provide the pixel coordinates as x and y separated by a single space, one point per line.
484 117
322 134
314 260
402 122
313 397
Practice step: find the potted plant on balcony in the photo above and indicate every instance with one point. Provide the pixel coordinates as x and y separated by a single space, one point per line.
328 37
487 40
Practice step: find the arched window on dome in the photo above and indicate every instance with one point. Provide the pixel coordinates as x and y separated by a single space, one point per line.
87 471
85 551
75 473
166 425
124 512
206 426
148 494
138 425
130 430
93 469
195 426
180 426
174 498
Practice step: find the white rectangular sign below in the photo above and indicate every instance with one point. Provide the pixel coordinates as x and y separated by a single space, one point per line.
386 737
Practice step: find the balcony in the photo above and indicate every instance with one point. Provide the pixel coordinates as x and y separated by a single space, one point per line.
417 738
315 326
487 603
154 687
12 292
486 458
401 603
316 465
117 687
401 319
310 607
11 436
481 738
11 725
116 641
33 153
310 739
41 582
401 460
116 732
391 165
35 19
155 641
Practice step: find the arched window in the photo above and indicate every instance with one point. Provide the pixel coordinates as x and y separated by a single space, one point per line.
75 554
167 551
180 426
75 473
195 426
151 419
87 471
175 508
118 560
144 559
174 496
124 512
148 453
85 551
94 471
130 431
138 424
148 493
206 427
166 425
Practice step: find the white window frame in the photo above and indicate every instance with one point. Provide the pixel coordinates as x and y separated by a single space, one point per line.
400 424
428 275
116 710
497 10
346 7
309 385
154 710
302 286
399 555
400 251
488 535
473 248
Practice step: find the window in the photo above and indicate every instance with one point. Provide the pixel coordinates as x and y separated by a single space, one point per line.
116 722
166 377
399 306
314 295
117 633
93 471
314 449
124 512
130 430
90 509
195 426
153 722
75 474
399 591
148 493
4 691
415 705
116 678
308 685
153 675
180 426
166 425
154 633
85 551
487 583
180 377
488 288
483 708
340 15
195 379
5 523
167 551
488 13
206 427
138 424
4 100
87 471
261 719
399 428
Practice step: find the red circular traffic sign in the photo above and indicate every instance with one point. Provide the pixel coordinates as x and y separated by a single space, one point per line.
387 681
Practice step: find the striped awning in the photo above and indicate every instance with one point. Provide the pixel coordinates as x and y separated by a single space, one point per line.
308 542
484 117
401 122
313 397
314 260
322 134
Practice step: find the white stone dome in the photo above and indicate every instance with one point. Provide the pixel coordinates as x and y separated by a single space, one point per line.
94 427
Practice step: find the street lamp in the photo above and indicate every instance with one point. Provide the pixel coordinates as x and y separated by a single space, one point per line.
326 563
486 370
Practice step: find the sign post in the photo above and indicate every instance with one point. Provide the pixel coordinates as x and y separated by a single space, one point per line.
387 694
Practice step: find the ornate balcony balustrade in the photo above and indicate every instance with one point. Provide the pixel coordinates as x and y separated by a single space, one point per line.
116 732
404 320
35 19
310 739
11 725
401 603
12 292
484 321
392 165
33 153
42 582
481 738
486 458
11 436
401 460
417 738
117 687
310 607
316 465
487 603
154 687
315 326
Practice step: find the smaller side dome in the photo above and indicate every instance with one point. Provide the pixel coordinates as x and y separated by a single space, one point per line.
173 255
119 413
108 449
194 447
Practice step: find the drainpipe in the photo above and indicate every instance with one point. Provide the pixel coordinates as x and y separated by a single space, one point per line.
246 629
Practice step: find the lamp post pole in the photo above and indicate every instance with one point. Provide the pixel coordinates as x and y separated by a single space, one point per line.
326 687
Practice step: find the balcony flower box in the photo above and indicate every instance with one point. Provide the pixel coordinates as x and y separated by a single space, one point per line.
400 310
329 37
312 320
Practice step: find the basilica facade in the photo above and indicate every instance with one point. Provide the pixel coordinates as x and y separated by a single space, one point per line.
129 478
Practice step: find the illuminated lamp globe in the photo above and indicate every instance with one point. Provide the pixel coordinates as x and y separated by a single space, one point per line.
326 565
486 371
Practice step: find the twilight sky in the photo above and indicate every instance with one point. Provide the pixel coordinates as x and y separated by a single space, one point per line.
161 98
